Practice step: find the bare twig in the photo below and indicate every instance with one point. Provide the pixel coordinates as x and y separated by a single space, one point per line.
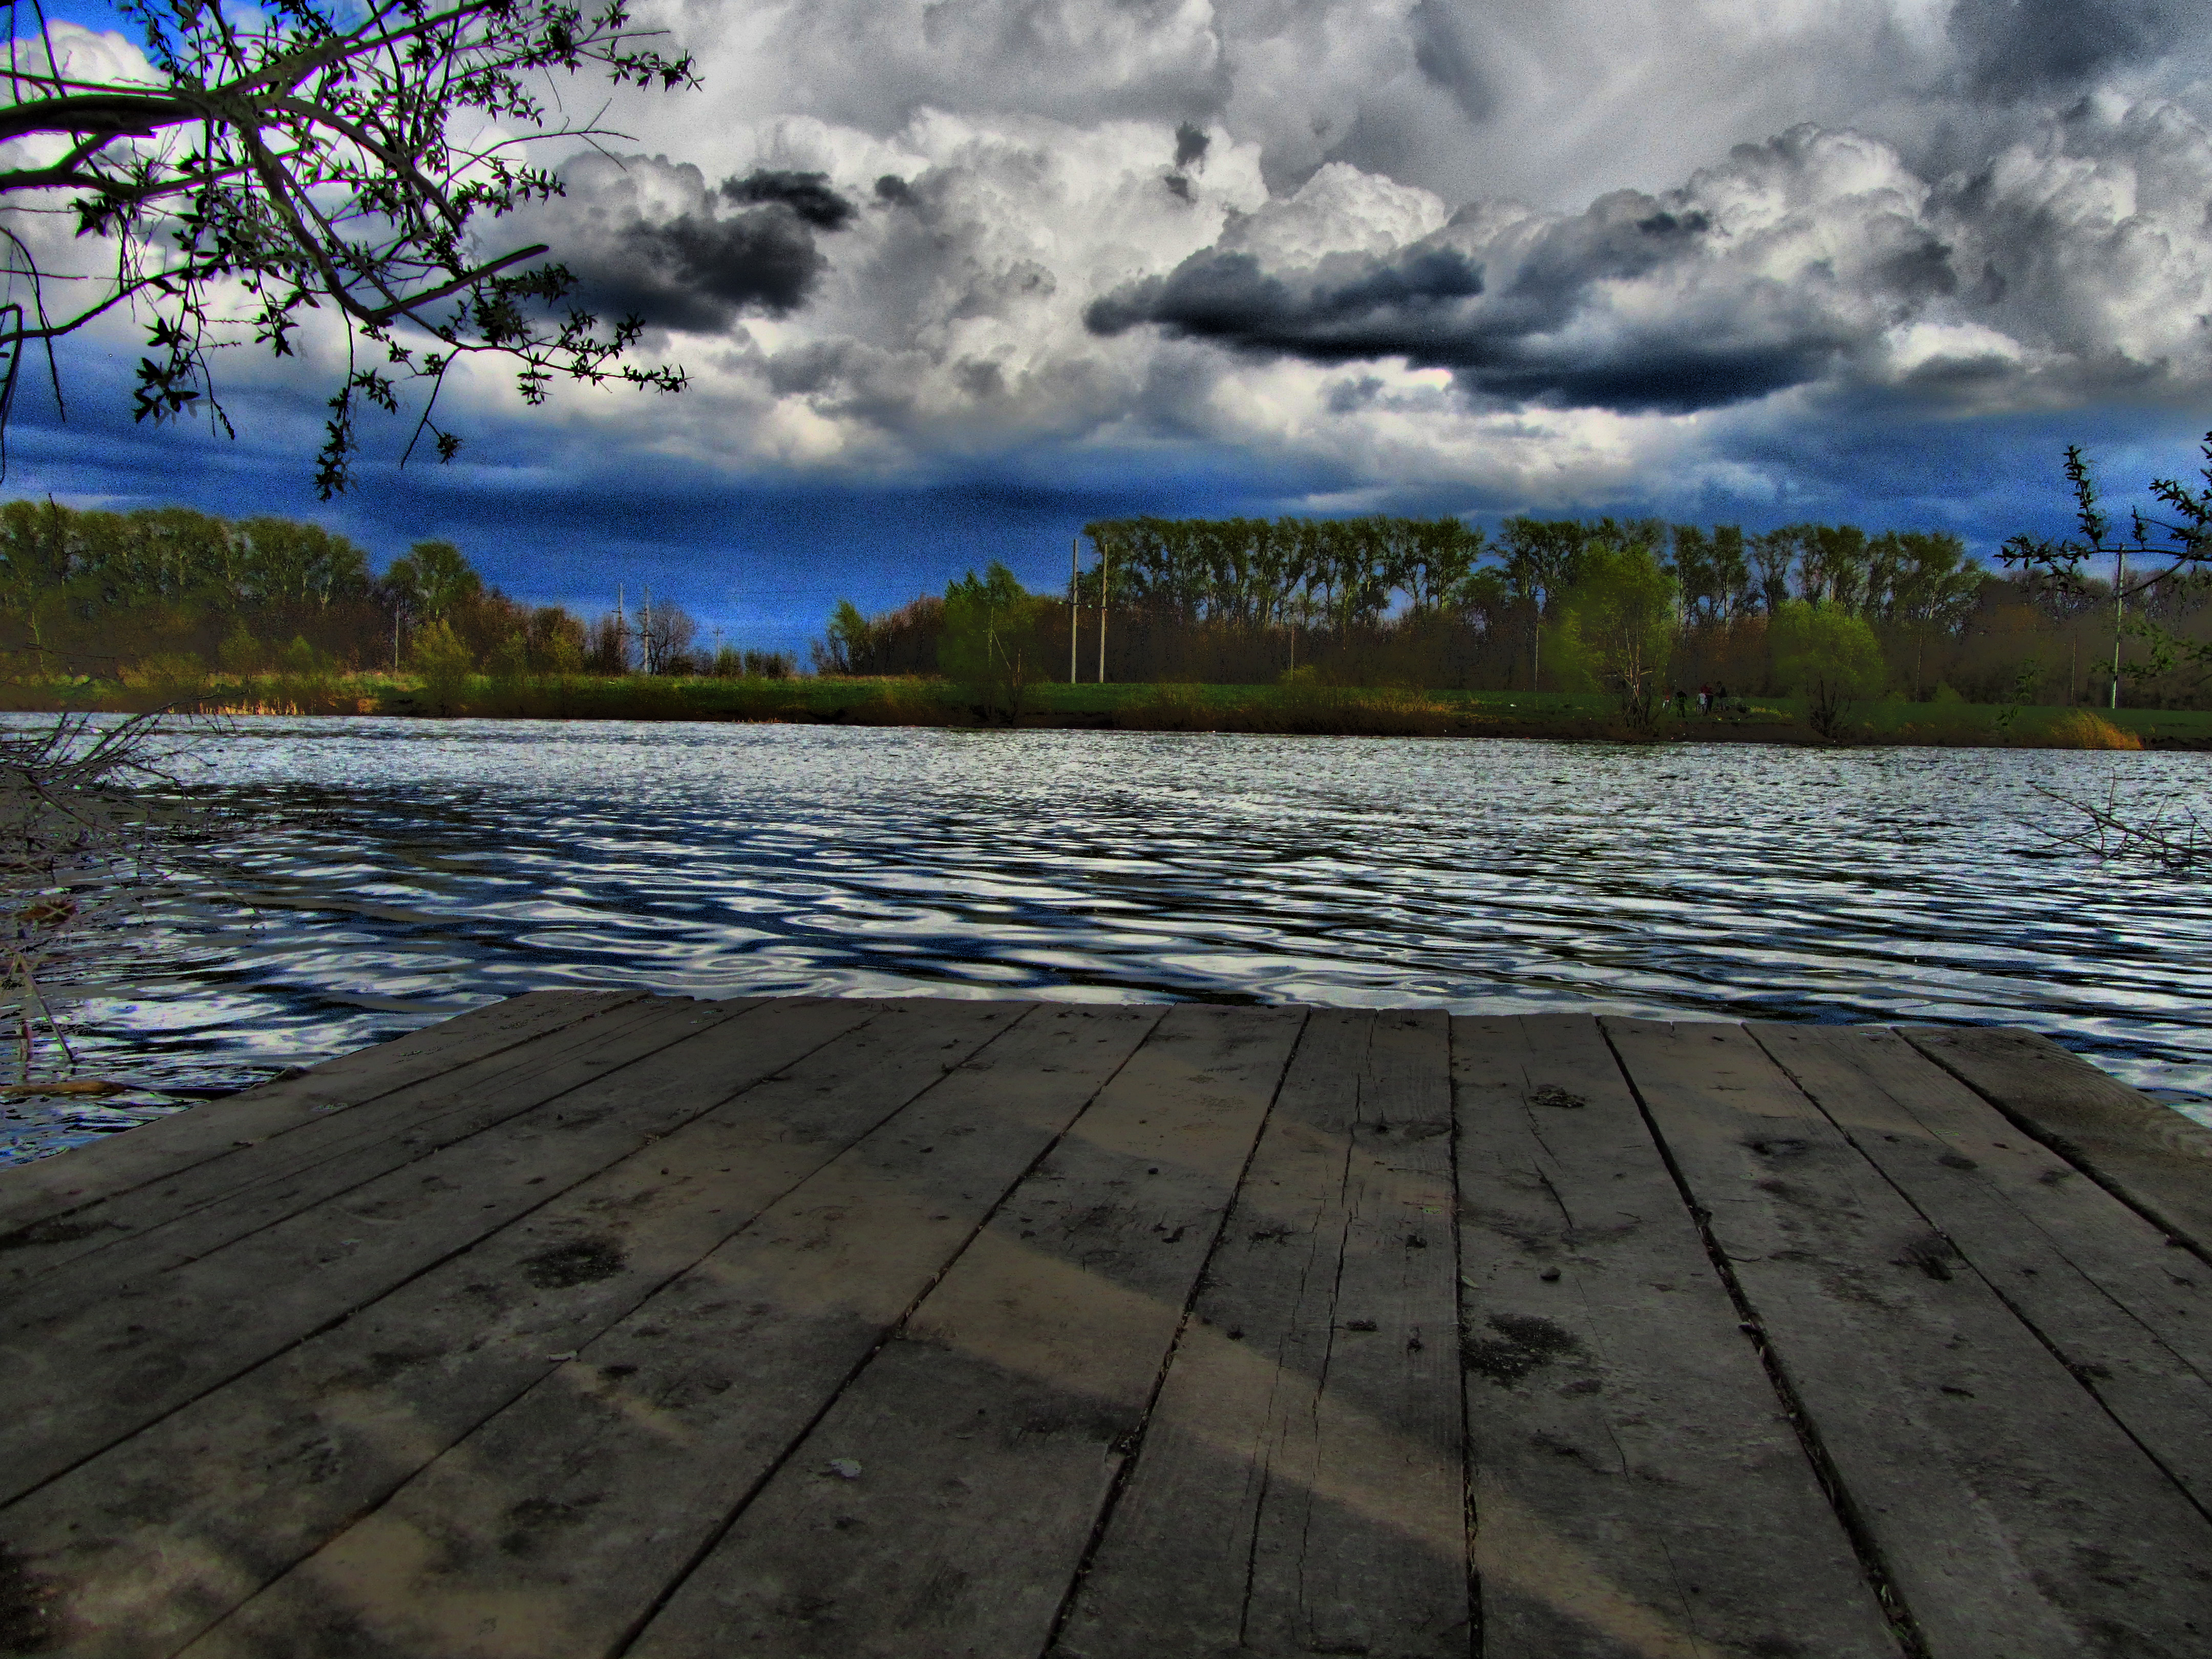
2164 832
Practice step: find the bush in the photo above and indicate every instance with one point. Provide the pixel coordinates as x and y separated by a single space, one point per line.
241 653
2083 730
169 680
307 679
1828 656
444 664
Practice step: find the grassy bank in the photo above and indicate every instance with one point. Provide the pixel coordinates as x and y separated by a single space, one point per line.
1295 709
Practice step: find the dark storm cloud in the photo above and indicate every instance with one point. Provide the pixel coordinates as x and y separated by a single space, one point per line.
698 273
1407 306
806 194
2007 47
645 237
1428 305
1191 145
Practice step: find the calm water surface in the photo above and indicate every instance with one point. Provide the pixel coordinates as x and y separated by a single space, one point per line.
406 870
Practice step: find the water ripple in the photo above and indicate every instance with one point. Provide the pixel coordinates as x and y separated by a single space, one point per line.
414 868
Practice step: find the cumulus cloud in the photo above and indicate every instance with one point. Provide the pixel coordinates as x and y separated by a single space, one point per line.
1513 249
2080 261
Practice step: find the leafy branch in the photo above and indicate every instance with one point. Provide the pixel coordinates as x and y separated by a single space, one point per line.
2169 547
304 158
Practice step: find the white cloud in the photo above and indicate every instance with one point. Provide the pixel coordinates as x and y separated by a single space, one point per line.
1672 207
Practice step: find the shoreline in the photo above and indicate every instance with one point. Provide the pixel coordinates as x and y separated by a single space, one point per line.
1270 710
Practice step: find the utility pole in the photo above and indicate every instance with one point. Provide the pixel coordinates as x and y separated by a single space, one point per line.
1074 579
1105 560
2119 603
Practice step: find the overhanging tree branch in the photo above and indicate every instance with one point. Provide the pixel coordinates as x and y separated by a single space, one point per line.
305 158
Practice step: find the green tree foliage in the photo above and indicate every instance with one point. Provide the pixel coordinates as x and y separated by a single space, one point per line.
988 643
1375 601
1827 656
432 581
307 158
1616 628
445 664
108 594
1335 573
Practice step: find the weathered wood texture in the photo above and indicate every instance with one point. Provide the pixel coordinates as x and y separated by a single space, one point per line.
172 1528
54 1187
1299 1487
2131 1319
2158 1160
548 1530
2012 1517
1626 1443
944 1501
603 1325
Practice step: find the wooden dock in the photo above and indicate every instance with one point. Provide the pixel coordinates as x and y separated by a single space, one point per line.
595 1324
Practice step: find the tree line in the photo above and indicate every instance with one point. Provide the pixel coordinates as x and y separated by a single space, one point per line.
103 594
1431 603
1438 603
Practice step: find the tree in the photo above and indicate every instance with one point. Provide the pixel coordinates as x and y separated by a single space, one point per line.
846 648
665 634
1616 628
1439 558
1771 557
987 643
312 156
1828 656
432 581
1541 558
1931 586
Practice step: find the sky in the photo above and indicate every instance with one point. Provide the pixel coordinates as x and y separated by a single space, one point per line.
953 277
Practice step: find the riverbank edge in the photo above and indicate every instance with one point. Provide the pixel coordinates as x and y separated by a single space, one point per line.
1303 710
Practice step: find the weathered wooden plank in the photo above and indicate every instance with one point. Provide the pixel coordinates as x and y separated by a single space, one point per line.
157 1344
80 1257
983 1439
1639 1489
2012 1516
551 1530
2130 1316
153 1540
2158 1160
53 1186
1301 1488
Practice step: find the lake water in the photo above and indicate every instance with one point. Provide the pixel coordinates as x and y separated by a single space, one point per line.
402 870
